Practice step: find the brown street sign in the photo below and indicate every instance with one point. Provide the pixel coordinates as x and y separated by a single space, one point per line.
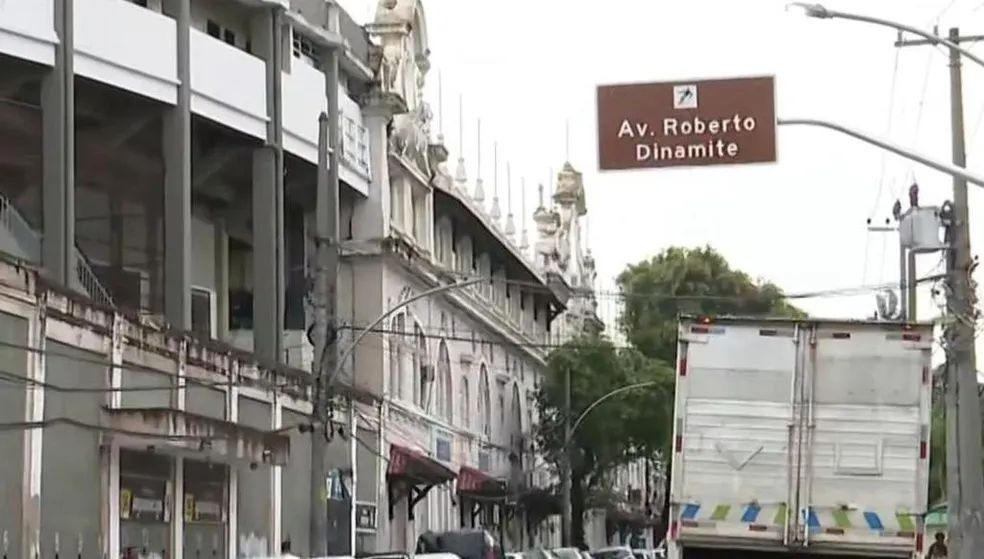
687 123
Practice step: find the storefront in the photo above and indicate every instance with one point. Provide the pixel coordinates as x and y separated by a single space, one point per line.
145 489
409 477
174 489
483 501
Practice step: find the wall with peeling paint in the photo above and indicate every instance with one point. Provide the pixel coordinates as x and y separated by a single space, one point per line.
70 467
297 486
13 361
254 485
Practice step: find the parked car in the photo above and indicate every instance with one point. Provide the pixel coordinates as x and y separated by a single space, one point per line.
466 544
568 553
618 552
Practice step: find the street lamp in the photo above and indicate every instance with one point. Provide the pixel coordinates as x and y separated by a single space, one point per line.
819 11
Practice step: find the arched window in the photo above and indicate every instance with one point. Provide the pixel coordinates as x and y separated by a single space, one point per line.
442 387
484 403
517 412
421 368
397 347
464 401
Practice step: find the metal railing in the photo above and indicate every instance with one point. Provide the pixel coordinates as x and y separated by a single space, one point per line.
30 240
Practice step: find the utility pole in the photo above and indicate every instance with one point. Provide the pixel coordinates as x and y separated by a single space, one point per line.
965 476
323 333
566 528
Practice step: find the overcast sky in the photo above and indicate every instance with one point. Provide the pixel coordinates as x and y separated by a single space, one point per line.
528 66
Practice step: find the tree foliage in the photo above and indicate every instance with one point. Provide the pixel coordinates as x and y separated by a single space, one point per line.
689 280
623 427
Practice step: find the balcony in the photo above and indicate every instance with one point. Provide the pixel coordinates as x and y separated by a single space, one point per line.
355 144
27 30
298 352
238 103
304 100
124 45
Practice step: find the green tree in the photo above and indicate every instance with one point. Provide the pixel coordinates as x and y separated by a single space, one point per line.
624 427
687 280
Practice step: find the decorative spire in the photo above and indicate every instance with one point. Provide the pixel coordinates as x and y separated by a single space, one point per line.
495 212
524 237
479 195
460 173
510 222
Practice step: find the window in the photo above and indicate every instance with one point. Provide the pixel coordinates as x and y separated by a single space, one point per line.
421 368
464 414
213 29
484 403
140 2
443 383
229 36
397 349
502 411
303 48
203 312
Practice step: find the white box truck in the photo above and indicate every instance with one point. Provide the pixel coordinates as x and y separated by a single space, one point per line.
800 438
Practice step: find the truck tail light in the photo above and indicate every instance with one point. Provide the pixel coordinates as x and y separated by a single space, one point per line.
919 542
923 450
674 529
683 366
678 443
925 375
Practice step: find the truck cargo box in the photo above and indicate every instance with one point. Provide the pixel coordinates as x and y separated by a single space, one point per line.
800 436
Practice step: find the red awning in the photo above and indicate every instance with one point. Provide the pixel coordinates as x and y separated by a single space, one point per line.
476 482
416 466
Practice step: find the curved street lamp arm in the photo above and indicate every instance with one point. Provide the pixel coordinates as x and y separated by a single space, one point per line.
362 333
599 401
951 170
821 12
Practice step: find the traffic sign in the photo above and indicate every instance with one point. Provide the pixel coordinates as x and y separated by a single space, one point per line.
691 123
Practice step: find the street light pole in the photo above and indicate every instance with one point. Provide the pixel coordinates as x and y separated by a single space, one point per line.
821 12
952 170
961 352
566 533
567 518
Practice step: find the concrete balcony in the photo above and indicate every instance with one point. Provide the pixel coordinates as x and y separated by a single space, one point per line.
238 103
298 352
304 100
27 30
127 46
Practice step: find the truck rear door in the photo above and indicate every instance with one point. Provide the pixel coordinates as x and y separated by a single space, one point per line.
733 434
865 472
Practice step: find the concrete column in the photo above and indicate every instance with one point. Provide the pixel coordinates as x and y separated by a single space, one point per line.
268 199
232 533
34 438
177 179
58 152
370 216
221 279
